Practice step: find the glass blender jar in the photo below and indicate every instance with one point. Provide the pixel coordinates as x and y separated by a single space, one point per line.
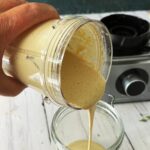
36 57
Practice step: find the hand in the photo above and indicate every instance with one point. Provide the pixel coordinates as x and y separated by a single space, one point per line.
16 16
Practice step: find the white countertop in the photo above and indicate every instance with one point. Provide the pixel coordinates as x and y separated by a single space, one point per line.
23 125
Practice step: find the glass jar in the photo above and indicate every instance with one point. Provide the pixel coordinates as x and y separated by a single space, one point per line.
69 125
36 57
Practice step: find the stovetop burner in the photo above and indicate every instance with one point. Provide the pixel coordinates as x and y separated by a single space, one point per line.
129 34
129 78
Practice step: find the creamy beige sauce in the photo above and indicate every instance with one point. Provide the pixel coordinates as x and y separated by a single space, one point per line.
83 145
82 86
91 120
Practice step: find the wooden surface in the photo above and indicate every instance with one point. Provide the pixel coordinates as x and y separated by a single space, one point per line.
24 126
22 123
137 131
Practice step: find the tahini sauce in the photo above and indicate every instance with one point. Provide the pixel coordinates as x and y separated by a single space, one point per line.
82 86
83 145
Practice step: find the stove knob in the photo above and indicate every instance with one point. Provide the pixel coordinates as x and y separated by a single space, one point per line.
133 85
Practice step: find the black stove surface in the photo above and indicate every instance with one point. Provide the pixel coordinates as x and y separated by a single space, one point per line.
145 50
130 35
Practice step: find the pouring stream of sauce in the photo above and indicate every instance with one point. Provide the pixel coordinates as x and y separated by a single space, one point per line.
82 86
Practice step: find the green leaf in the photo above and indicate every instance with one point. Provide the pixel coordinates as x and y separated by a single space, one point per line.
145 118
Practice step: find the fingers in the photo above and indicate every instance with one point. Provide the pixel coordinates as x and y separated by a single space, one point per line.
12 23
15 21
8 4
10 86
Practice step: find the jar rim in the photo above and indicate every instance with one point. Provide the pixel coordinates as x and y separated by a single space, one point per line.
100 105
76 22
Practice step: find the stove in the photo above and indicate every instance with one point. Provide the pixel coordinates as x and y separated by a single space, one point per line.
129 78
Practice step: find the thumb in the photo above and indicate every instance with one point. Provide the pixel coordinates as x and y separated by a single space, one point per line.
12 23
15 21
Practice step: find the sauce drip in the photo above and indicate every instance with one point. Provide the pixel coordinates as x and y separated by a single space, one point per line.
82 86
